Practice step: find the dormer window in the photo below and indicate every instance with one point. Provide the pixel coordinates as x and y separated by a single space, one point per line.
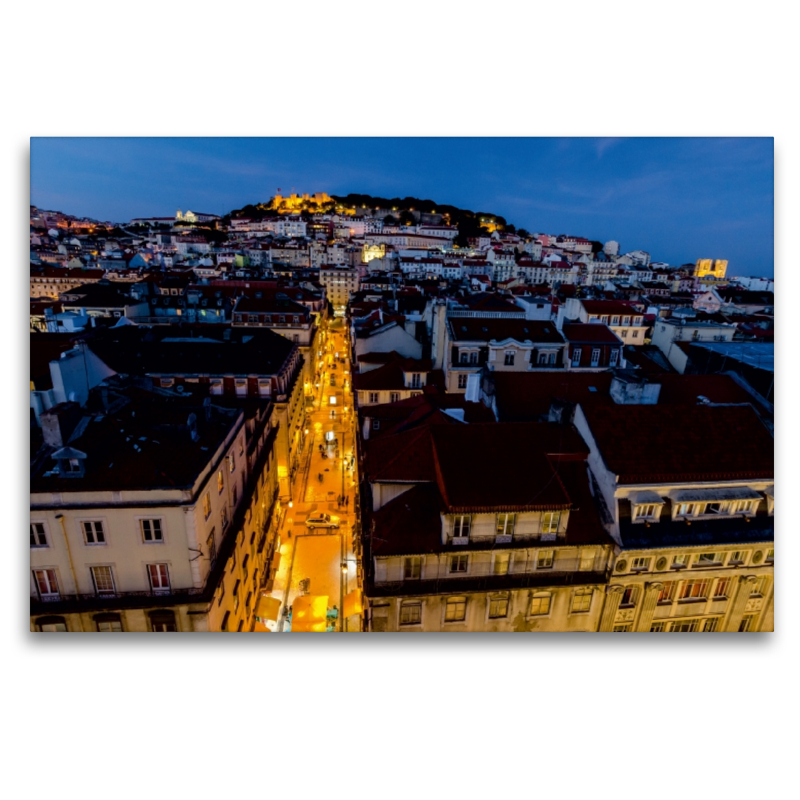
684 510
715 508
626 320
461 527
615 320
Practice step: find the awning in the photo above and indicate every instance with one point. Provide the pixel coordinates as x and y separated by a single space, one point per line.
310 614
646 498
715 495
267 608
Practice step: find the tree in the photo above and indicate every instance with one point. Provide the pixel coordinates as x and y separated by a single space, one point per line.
406 218
390 220
523 233
597 247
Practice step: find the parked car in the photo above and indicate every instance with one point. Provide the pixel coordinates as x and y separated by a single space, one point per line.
322 521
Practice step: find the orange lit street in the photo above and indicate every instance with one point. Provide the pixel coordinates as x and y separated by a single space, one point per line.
319 561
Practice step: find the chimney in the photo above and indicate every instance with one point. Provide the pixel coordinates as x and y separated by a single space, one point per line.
58 423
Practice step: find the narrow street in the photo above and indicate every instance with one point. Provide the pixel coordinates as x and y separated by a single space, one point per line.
320 561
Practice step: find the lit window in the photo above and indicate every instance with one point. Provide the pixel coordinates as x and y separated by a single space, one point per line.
582 600
455 609
159 578
220 482
411 613
684 510
646 511
505 524
211 543
540 604
760 587
667 593
737 558
501 563
685 626
629 596
723 588
47 584
550 522
680 561
658 627
694 590
747 624
641 564
232 462
206 505
498 606
544 559
770 556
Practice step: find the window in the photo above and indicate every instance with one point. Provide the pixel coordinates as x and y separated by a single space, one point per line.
93 532
760 587
629 597
224 516
38 536
640 564
747 623
709 560
151 530
411 613
462 381
47 584
206 505
211 543
684 510
550 522
625 628
595 356
394 397
658 627
685 626
236 596
646 511
722 589
680 562
108 623
51 624
540 604
505 524
473 357
544 559
576 357
241 386
498 607
103 580
770 556
614 358
634 334
714 508
509 358
455 609
159 578
215 386
415 381
412 568
376 424
694 590
461 526
373 397
742 507
235 494
582 600
737 557
220 482
163 622
232 463
667 593
501 563
615 320
624 334
459 563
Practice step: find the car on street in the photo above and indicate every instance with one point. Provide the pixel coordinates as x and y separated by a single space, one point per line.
322 521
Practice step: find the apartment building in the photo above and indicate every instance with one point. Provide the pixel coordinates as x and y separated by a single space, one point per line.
482 527
340 283
151 514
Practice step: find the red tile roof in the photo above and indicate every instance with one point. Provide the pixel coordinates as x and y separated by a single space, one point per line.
486 330
681 443
609 307
589 333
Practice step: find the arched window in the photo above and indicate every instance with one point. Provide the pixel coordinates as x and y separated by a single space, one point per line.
163 621
51 625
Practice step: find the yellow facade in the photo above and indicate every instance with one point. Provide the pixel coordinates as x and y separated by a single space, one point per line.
710 266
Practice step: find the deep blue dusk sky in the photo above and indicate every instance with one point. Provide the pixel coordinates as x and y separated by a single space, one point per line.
679 199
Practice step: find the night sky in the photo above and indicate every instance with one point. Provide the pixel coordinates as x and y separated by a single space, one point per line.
679 199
